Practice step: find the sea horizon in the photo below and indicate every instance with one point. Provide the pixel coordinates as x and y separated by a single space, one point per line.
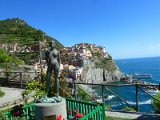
137 58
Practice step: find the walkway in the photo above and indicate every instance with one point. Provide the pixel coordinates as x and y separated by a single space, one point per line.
11 95
133 116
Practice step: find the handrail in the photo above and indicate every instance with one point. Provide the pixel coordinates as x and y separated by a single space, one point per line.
19 72
137 85
120 85
84 102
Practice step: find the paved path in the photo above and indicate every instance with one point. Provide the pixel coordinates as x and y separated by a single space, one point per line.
11 94
122 115
133 116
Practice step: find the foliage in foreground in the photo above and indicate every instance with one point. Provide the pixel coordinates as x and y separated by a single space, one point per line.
35 88
156 103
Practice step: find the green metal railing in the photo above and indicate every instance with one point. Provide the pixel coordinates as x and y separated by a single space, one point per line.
90 111
28 111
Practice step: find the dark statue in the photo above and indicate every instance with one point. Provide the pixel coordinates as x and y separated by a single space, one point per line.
52 57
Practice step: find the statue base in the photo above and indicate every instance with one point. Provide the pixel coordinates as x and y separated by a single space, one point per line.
51 111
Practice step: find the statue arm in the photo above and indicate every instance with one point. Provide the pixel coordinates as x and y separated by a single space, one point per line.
59 60
47 56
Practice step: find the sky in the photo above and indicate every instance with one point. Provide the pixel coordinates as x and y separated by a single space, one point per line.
127 28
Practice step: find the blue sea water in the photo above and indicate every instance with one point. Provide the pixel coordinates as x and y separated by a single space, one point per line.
132 66
141 65
149 65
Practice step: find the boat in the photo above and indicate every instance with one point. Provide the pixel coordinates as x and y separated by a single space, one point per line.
141 76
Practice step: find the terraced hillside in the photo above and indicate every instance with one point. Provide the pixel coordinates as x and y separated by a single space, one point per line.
16 32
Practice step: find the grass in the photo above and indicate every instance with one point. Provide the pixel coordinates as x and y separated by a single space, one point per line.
1 93
116 118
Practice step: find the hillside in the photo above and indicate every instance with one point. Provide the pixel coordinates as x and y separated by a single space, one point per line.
18 31
22 40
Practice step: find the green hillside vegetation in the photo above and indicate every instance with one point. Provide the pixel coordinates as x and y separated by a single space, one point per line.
27 57
16 30
106 63
6 58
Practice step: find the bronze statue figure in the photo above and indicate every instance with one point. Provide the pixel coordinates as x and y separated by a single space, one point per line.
52 57
53 63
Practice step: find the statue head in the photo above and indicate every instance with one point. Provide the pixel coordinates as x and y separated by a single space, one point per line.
52 44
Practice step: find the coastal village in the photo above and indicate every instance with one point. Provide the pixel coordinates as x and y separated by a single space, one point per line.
72 58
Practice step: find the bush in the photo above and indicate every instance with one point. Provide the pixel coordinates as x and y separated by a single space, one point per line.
156 103
36 88
128 109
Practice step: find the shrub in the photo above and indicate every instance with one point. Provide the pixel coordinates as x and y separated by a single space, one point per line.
156 103
36 88
128 109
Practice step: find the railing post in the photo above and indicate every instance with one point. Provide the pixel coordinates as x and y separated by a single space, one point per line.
137 97
74 92
103 111
21 80
7 75
102 93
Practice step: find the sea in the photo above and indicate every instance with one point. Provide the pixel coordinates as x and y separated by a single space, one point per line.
150 65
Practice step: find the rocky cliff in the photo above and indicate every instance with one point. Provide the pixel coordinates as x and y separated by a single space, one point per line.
96 74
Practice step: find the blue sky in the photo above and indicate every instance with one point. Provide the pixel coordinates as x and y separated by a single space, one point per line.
127 28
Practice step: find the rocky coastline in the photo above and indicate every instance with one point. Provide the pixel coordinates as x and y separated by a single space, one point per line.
130 80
